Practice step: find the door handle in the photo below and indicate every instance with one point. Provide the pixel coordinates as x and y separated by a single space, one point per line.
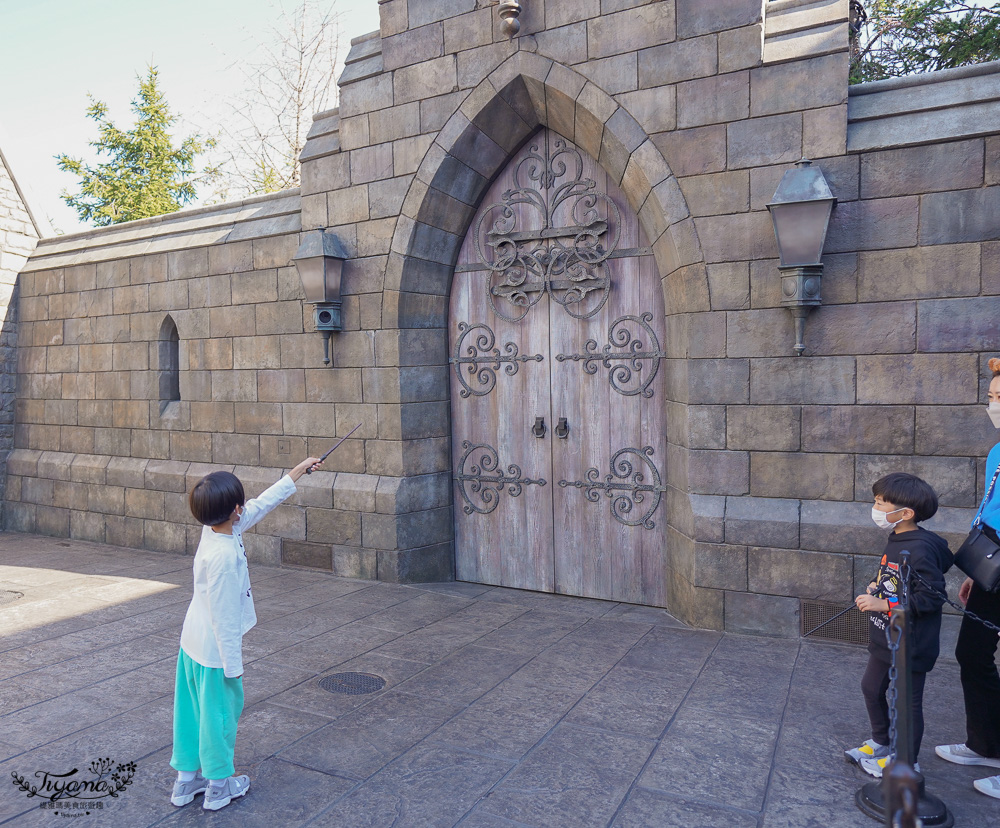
562 429
538 429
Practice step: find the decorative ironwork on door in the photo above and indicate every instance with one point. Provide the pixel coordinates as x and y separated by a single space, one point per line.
484 360
626 376
550 235
629 493
487 480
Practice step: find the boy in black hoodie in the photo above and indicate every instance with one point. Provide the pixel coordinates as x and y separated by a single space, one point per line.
901 502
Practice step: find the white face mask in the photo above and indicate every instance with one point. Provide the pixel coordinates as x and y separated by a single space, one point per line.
882 520
993 409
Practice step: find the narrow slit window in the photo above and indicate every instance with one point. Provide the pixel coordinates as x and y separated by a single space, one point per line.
169 364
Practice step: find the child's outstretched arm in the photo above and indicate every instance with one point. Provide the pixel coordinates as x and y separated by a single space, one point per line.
309 463
256 508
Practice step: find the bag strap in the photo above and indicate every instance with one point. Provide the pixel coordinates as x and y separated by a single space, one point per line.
986 499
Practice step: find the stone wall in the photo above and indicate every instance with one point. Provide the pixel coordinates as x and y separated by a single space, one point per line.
18 235
696 107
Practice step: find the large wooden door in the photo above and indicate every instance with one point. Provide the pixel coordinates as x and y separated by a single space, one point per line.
558 417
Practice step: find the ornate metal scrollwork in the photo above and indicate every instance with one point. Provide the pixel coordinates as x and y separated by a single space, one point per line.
623 374
484 360
566 262
486 479
630 492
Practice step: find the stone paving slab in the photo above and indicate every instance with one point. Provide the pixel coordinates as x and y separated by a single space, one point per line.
502 709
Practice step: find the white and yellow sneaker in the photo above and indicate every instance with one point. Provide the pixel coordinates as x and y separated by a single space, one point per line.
869 750
875 767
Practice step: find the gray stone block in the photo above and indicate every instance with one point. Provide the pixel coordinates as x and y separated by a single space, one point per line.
803 476
738 237
962 216
955 165
917 379
819 380
953 430
842 527
695 17
682 60
844 329
426 564
860 429
762 614
720 566
819 576
729 285
775 139
763 428
953 478
920 272
717 472
655 109
958 325
413 46
312 555
757 521
631 29
694 151
719 194
800 85
708 381
739 48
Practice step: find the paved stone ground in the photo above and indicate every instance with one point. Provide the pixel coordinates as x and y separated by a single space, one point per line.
501 709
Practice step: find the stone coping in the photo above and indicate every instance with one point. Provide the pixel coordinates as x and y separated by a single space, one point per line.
928 108
941 76
255 217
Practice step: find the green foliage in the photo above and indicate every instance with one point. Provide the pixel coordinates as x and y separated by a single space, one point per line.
145 175
903 37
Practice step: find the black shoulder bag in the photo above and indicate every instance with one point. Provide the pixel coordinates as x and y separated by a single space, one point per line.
979 557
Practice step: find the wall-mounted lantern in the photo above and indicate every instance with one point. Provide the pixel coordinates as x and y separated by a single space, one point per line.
509 11
800 212
320 263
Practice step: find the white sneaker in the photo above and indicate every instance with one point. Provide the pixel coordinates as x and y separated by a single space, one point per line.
875 767
989 786
869 750
961 755
221 796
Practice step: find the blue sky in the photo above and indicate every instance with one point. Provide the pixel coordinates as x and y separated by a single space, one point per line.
53 52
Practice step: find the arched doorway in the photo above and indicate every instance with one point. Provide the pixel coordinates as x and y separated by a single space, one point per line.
556 330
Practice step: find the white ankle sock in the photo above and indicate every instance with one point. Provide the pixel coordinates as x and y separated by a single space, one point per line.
217 783
186 776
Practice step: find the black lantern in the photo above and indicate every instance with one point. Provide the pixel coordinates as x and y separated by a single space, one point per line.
320 263
800 212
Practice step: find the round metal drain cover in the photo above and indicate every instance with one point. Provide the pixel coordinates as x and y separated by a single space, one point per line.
8 597
353 684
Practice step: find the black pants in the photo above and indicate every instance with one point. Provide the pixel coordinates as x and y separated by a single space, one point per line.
875 685
980 680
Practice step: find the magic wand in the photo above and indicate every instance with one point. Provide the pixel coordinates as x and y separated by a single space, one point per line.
331 451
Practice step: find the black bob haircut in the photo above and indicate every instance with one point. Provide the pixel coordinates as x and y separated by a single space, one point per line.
907 491
215 496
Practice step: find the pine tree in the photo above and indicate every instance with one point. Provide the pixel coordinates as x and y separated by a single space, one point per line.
904 37
145 175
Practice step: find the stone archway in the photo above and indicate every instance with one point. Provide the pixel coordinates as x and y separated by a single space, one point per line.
525 93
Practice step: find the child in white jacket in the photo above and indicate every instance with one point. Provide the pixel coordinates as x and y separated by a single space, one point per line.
208 696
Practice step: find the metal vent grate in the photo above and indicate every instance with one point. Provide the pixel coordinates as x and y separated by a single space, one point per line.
851 627
353 684
8 597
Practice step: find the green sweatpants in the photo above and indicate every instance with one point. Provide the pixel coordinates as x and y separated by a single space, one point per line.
207 708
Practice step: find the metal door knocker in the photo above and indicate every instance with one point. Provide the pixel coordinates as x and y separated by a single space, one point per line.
562 429
538 429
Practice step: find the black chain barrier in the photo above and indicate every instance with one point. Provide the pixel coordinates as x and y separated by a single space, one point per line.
956 605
